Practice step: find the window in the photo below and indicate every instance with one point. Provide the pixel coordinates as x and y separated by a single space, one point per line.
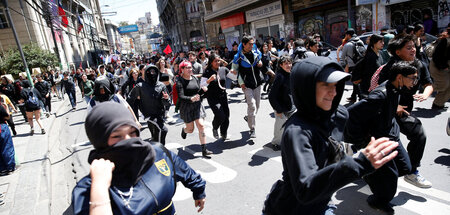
3 20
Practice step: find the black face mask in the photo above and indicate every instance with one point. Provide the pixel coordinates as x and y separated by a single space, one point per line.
152 76
131 157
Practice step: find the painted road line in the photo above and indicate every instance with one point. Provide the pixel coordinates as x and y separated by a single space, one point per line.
222 173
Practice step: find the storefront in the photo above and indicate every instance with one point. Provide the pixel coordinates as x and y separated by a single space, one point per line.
266 21
232 28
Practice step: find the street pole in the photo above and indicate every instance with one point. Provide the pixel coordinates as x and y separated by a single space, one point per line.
19 46
204 25
349 15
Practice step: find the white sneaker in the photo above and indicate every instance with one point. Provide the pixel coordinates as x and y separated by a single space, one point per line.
417 180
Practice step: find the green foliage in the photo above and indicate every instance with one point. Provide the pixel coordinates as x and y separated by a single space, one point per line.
34 55
123 23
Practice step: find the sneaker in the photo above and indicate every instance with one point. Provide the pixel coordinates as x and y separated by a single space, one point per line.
183 134
43 131
386 207
417 180
246 118
252 133
215 134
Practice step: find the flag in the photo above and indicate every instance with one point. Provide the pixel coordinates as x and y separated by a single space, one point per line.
80 24
62 13
167 50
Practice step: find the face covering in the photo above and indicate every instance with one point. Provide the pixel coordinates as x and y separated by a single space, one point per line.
151 74
131 157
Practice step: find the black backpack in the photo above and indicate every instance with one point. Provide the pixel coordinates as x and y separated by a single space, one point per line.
32 101
358 51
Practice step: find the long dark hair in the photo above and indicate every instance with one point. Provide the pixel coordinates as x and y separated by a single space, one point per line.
374 38
211 58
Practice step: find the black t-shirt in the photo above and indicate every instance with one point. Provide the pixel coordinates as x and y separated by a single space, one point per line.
3 114
214 89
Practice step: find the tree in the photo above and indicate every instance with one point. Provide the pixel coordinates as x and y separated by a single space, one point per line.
34 55
123 23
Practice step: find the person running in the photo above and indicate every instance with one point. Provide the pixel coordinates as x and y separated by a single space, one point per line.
214 79
247 63
153 98
87 89
197 68
43 87
127 174
371 62
280 99
313 166
69 86
190 105
439 69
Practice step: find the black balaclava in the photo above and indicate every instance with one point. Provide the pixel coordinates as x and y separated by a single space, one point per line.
105 83
151 74
131 157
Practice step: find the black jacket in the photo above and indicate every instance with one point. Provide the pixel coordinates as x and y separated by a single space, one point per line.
371 63
374 116
43 88
280 96
441 54
309 175
151 97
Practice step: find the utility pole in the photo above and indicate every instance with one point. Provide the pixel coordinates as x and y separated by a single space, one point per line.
349 13
19 46
204 25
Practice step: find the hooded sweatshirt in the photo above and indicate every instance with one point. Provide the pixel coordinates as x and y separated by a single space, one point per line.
310 177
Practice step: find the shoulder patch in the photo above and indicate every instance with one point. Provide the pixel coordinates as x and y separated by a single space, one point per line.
162 167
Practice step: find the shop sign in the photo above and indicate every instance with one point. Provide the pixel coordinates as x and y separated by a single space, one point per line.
233 20
389 2
264 11
364 2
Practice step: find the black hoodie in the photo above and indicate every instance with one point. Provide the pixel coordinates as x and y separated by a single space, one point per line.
310 177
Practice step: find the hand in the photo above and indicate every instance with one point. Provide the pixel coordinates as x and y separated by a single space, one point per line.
212 78
195 98
259 64
378 151
243 87
420 97
165 95
101 172
401 110
205 88
200 203
279 115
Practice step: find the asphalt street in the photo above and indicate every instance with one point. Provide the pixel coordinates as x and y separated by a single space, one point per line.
242 170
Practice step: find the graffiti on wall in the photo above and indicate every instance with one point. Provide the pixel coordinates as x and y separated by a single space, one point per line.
336 25
363 19
289 31
408 16
310 25
443 13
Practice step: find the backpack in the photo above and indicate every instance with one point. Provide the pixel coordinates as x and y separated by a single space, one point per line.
358 51
32 101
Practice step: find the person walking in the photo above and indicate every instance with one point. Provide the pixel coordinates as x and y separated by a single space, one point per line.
69 86
371 62
280 99
314 167
127 174
44 89
190 105
247 63
87 88
29 97
439 69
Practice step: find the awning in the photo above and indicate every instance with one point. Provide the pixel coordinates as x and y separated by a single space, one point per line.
226 11
233 20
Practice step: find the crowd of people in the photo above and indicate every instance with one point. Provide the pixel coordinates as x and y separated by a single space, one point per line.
304 88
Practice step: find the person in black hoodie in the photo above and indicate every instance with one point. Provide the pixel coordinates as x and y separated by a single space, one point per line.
374 116
312 169
153 97
280 98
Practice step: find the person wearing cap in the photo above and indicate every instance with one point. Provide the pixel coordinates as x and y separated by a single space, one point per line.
127 174
312 167
153 98
375 116
348 60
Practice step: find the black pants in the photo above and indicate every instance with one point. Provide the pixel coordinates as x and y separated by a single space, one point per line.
11 124
157 128
219 106
23 112
356 92
412 128
383 182
48 103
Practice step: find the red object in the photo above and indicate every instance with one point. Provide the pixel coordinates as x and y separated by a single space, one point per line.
62 13
167 50
80 24
233 20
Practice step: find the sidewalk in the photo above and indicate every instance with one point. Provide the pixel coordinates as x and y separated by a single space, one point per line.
28 189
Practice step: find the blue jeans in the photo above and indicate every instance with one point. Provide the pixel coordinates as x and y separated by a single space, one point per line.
87 99
7 161
72 97
330 210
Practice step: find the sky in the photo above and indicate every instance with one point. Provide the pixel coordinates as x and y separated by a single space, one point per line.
130 10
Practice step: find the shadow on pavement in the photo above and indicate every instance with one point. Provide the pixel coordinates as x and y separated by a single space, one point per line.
403 197
77 123
353 201
443 159
426 112
257 160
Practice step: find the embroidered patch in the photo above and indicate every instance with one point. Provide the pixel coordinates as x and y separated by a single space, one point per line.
163 168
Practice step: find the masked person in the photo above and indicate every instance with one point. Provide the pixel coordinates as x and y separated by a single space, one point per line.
153 98
312 167
104 90
129 175
375 116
